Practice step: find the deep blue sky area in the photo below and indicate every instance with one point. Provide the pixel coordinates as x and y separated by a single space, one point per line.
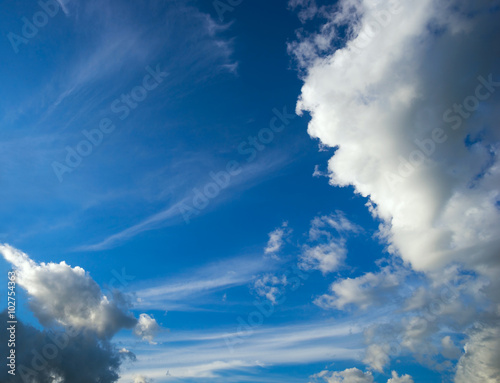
156 145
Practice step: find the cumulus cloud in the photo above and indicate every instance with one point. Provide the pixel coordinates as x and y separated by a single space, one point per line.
481 360
324 257
82 320
351 375
354 375
68 296
73 355
325 251
410 102
422 327
147 328
363 291
397 379
380 109
328 255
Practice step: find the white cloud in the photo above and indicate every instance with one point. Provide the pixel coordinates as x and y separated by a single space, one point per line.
212 353
270 286
363 291
147 328
374 107
377 356
322 226
397 379
173 214
411 104
329 255
67 296
350 375
276 239
354 375
141 379
325 257
187 289
480 363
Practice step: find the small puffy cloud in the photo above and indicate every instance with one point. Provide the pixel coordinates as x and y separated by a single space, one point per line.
327 256
354 375
403 379
146 328
141 379
68 296
363 291
276 239
350 375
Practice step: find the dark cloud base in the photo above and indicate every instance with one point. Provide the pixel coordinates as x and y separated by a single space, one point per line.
59 356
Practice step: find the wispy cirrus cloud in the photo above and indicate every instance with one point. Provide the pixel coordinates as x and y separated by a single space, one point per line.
248 176
184 291
206 355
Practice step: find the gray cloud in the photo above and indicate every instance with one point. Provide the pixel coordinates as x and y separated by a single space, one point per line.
60 355
60 294
79 321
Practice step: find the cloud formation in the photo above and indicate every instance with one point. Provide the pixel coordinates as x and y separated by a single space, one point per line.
328 255
381 112
354 375
407 94
60 294
147 328
80 319
276 239
61 356
364 291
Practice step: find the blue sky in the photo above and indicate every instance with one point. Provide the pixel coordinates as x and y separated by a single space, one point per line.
156 146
